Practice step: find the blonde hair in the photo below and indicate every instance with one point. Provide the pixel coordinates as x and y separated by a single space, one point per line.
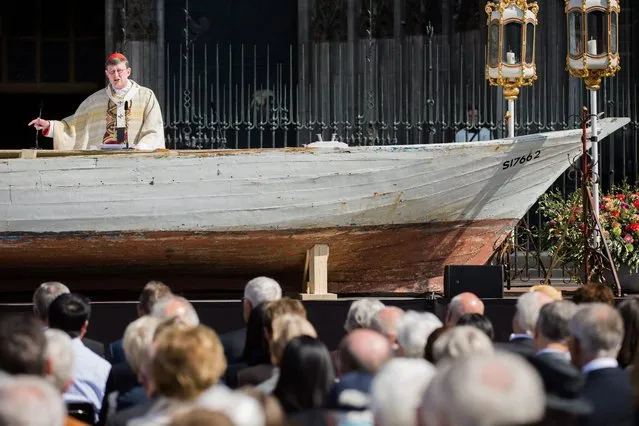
548 290
187 361
285 328
277 308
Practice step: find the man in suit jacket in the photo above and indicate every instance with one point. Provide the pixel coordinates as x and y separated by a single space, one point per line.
151 293
552 331
564 386
95 346
123 388
257 291
524 322
597 332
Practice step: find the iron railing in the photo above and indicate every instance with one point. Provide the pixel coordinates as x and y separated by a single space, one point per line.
369 91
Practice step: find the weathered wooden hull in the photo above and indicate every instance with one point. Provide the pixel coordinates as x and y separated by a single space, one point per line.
400 258
393 216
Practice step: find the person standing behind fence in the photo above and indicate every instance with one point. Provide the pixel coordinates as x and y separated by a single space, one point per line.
473 132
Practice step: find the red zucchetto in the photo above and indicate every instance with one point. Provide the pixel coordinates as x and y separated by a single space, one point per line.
117 55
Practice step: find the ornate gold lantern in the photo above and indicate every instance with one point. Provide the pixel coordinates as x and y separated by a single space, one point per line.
593 47
510 62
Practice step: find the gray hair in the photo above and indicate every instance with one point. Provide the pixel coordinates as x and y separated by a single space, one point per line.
137 341
599 329
173 306
261 290
413 331
554 320
396 390
386 326
484 390
361 313
527 313
460 341
30 401
61 358
44 295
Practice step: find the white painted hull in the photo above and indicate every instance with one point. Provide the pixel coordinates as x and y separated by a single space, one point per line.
279 189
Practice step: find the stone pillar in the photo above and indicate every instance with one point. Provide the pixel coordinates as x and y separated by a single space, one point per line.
136 28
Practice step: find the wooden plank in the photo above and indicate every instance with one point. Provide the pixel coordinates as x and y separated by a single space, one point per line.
317 267
28 154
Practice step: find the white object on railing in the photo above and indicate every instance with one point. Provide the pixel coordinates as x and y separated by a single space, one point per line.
511 121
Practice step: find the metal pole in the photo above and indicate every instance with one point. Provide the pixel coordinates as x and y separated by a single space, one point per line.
594 139
511 121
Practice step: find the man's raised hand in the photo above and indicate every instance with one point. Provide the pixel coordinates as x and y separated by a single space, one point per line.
40 124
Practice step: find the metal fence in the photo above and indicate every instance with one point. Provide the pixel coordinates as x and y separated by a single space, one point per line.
416 89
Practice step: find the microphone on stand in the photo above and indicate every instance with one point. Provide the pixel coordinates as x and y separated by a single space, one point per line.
126 110
37 145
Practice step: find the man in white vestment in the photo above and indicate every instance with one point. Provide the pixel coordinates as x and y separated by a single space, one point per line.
123 113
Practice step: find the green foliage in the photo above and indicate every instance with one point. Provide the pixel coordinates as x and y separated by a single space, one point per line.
563 233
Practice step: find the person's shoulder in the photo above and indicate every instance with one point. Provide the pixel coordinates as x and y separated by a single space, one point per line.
101 93
485 133
144 91
95 359
98 96
461 135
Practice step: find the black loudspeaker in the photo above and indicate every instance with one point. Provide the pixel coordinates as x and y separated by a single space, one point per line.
485 281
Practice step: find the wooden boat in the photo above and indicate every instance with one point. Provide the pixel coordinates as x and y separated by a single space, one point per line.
393 216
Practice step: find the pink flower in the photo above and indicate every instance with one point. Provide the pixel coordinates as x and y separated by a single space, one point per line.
628 239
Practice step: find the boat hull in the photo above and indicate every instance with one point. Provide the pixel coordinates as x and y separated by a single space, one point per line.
393 216
374 259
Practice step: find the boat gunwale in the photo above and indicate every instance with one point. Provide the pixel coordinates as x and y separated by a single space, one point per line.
20 154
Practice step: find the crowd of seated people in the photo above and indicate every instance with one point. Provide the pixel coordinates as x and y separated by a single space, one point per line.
567 362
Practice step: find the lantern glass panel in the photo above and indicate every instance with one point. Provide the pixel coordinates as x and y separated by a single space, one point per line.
512 43
530 43
493 44
597 29
613 32
576 35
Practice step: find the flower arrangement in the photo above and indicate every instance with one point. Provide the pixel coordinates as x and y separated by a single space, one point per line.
563 233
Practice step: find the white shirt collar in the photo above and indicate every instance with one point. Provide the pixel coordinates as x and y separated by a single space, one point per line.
515 336
554 351
599 364
124 90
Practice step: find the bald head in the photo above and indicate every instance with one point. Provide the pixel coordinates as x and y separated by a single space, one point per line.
385 322
175 307
364 350
463 303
